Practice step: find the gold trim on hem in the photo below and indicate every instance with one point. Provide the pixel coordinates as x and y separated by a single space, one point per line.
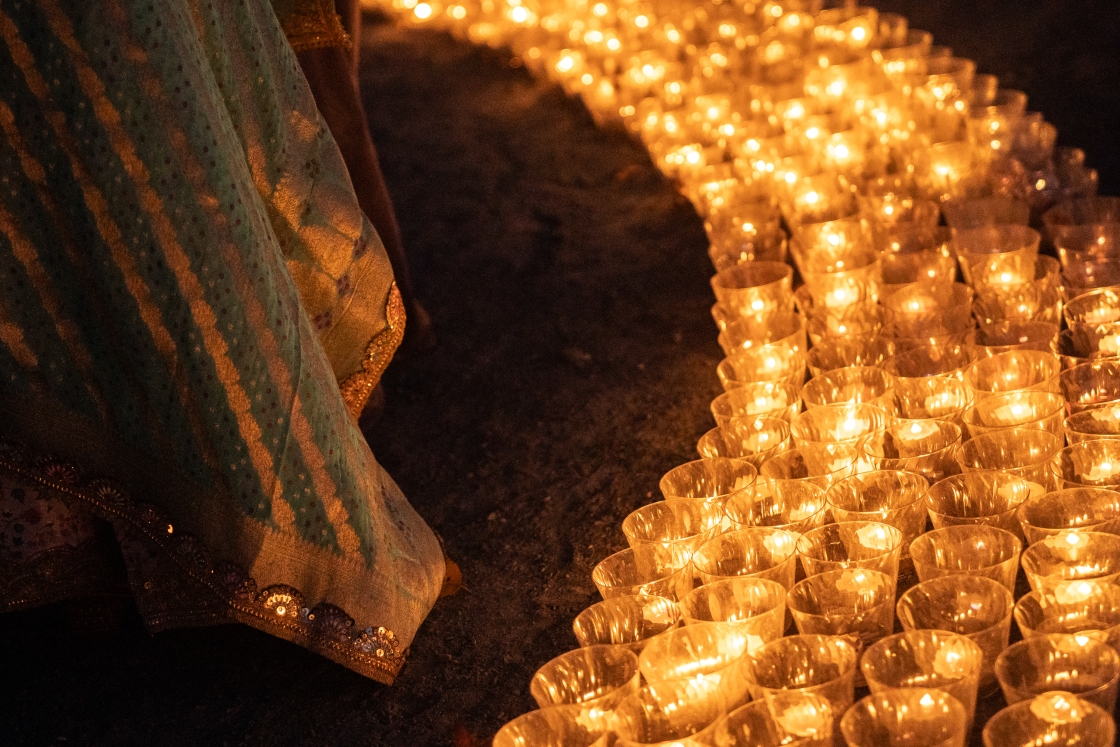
205 593
312 24
357 387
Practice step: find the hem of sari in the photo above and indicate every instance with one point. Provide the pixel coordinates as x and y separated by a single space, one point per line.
357 387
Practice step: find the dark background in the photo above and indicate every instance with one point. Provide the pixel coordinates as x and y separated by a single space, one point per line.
568 286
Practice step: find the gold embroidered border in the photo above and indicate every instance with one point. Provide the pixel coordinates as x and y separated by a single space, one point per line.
312 24
357 387
278 609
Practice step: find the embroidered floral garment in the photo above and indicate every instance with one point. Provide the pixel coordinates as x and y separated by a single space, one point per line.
185 280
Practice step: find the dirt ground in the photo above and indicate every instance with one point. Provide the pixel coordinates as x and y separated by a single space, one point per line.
575 363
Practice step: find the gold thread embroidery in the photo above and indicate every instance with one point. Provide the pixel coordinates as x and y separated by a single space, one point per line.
357 387
279 610
312 24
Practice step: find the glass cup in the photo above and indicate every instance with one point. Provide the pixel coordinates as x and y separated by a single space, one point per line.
821 466
559 726
924 447
755 288
832 424
932 659
851 544
1089 509
755 552
754 439
716 479
974 550
1090 425
1053 718
973 606
930 303
1091 385
595 678
645 719
1089 464
630 572
1020 452
626 621
821 665
1013 334
696 663
787 719
672 530
1012 371
853 385
928 360
985 211
1084 606
855 603
1075 662
906 717
770 362
928 398
794 505
979 498
892 497
777 331
1025 409
756 606
758 399
1072 554
841 352
975 246
1094 308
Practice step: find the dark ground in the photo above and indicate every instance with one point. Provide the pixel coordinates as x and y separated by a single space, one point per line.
568 285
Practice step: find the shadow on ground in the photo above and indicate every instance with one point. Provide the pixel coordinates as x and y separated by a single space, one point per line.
568 285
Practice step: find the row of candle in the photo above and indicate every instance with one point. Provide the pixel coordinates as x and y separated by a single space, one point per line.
880 165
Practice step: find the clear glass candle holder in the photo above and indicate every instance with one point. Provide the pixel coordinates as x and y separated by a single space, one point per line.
1089 509
933 659
1052 718
1084 606
856 603
697 663
737 247
925 447
1082 343
968 551
979 212
671 530
756 606
626 621
1077 663
1009 335
1013 371
974 246
771 399
595 678
926 265
1089 464
821 665
715 479
787 719
928 398
630 572
1070 555
986 498
1020 452
753 552
821 466
893 497
1008 290
1091 385
773 332
1024 409
926 361
768 363
559 726
851 544
645 719
840 352
752 439
973 606
948 304
861 319
853 385
836 424
1090 425
1093 308
794 505
755 288
841 288
906 717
